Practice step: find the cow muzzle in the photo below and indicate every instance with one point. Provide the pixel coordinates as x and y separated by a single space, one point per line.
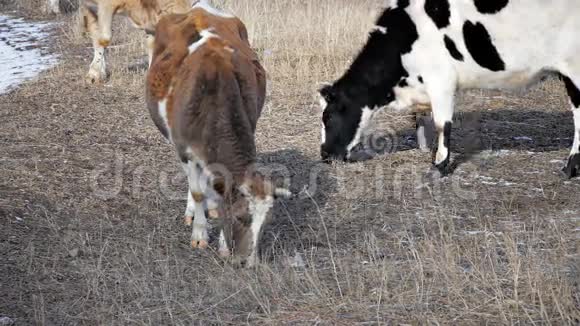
328 157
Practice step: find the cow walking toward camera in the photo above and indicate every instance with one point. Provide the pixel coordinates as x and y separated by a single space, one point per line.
421 51
205 92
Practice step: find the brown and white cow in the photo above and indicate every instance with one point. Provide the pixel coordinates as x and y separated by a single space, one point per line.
205 92
144 14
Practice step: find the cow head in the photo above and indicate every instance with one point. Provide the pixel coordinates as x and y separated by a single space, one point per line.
247 208
373 81
343 123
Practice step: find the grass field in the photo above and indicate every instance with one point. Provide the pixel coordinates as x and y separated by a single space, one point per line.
91 198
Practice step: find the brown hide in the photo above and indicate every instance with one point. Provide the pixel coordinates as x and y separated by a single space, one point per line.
213 98
216 94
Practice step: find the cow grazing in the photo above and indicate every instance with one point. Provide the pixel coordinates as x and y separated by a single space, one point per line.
422 51
144 14
205 92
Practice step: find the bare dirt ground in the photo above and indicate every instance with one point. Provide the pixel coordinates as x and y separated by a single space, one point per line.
91 200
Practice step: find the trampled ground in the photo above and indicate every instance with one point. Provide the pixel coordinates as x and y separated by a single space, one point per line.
91 200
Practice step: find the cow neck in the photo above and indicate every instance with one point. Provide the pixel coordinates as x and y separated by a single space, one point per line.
378 67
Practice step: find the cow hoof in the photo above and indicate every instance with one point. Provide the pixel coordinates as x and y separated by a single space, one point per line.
251 261
201 244
443 167
187 220
443 171
424 148
224 253
434 173
94 77
93 80
239 262
213 213
572 167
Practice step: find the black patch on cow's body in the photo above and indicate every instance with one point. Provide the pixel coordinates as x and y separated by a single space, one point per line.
452 48
369 81
490 6
573 91
378 67
479 44
420 79
439 12
403 4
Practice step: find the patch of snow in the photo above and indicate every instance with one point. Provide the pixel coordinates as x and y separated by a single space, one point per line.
508 184
6 321
526 138
476 232
490 181
20 56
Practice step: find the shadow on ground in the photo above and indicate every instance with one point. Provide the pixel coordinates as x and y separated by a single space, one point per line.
292 229
473 132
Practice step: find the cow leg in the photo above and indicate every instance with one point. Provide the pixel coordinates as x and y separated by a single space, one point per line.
223 250
189 210
98 68
212 208
573 166
150 46
424 130
199 236
442 102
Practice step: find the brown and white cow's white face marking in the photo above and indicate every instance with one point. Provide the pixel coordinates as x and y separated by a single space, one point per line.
260 195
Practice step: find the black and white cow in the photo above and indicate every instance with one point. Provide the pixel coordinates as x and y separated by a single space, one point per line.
420 52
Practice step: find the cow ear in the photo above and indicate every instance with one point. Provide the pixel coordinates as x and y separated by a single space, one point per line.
328 93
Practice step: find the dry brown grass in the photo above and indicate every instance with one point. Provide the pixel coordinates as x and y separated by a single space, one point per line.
381 241
37 8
